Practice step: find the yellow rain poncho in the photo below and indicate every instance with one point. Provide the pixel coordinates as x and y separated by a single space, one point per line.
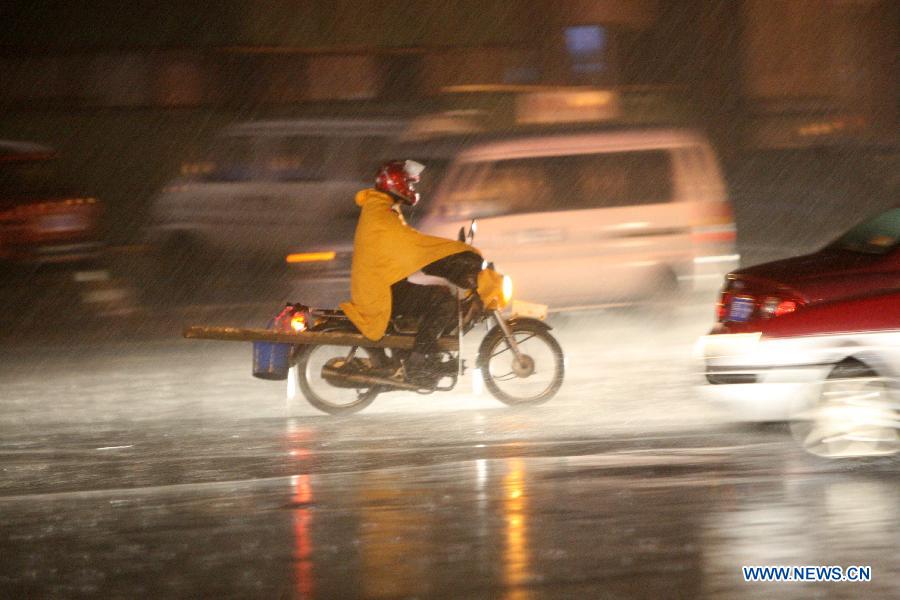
386 250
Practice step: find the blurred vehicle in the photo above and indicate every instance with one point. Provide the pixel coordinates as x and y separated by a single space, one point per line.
268 192
43 219
787 327
864 259
831 367
582 216
643 210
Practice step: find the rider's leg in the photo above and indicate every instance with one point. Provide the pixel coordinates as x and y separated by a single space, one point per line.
436 317
409 299
435 307
461 269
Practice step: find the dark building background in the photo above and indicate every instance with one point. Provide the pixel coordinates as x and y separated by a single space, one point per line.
127 90
732 59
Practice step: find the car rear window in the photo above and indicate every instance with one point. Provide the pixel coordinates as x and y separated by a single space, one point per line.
879 235
573 182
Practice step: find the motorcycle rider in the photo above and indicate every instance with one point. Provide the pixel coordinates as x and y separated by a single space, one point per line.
386 251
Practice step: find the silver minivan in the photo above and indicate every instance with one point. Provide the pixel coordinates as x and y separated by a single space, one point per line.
270 192
591 217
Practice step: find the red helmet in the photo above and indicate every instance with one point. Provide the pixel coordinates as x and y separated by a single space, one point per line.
398 178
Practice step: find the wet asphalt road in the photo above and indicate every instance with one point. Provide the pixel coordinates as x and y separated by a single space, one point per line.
148 466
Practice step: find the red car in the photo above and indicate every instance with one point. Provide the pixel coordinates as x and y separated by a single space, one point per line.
863 260
816 340
42 219
832 369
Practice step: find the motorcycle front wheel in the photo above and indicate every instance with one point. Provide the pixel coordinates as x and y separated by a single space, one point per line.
531 381
320 393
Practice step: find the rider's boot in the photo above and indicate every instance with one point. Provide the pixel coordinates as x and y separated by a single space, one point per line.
420 369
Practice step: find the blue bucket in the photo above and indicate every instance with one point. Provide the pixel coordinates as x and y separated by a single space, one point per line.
271 360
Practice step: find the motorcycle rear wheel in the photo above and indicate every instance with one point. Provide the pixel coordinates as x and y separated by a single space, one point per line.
320 393
529 384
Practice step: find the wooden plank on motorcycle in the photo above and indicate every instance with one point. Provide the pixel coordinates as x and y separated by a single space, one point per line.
334 338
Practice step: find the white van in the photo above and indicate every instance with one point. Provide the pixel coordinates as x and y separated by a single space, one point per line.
592 217
269 190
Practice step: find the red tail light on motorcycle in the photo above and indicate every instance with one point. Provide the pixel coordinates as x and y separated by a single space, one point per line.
293 318
298 322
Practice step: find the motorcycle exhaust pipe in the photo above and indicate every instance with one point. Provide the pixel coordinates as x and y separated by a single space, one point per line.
332 373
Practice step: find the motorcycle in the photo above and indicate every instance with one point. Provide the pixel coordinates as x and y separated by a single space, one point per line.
340 371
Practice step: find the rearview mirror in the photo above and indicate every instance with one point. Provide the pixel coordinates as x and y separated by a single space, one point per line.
461 236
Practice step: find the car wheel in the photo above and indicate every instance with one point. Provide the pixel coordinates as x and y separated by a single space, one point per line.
856 415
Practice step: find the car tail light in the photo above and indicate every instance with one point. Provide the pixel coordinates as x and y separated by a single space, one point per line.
35 209
777 307
784 307
730 289
722 306
716 225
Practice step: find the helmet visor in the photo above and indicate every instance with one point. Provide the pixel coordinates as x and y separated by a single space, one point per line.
413 169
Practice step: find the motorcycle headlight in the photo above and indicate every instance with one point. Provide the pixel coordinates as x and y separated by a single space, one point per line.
507 289
492 288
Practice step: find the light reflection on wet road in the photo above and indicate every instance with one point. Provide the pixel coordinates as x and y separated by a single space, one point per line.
660 516
164 470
